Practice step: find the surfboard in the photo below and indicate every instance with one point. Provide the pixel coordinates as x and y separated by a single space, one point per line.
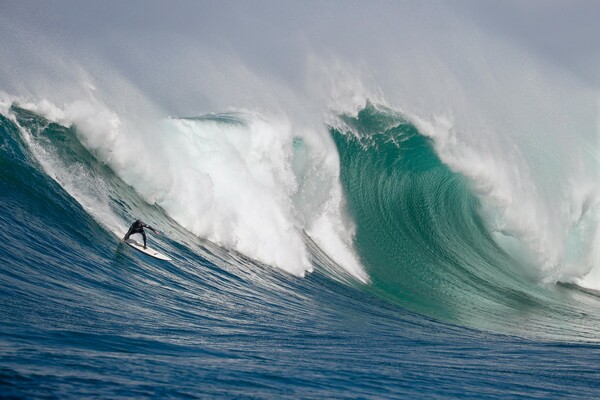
148 250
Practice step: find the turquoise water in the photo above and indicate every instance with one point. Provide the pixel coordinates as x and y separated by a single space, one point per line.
423 234
445 311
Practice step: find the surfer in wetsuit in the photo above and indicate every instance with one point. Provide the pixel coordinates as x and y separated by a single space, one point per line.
138 227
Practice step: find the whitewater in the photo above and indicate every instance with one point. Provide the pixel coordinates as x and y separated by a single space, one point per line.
357 204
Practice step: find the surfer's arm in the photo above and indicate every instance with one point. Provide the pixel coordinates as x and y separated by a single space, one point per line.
152 229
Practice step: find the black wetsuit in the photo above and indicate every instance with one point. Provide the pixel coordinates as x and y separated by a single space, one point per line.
138 227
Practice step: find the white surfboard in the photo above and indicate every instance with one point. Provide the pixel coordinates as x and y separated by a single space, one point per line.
148 250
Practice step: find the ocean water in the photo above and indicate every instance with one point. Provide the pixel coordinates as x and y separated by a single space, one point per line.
343 222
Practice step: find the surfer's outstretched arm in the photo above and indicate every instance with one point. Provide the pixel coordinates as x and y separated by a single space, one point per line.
152 229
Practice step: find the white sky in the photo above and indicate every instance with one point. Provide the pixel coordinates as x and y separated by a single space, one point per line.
186 53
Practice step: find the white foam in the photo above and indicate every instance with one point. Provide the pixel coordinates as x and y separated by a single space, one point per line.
550 230
235 185
5 103
88 190
232 183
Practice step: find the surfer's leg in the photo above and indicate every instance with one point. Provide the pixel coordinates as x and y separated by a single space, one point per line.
129 232
144 236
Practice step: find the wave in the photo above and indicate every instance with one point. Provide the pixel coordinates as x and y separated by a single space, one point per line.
428 232
236 179
383 212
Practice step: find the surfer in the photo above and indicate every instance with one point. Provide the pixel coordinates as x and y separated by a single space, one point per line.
138 227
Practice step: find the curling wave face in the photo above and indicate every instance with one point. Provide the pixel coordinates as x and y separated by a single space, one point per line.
429 243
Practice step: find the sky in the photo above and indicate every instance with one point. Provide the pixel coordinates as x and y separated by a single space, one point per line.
564 32
193 56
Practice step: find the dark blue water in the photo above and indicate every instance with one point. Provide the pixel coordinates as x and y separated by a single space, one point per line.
84 317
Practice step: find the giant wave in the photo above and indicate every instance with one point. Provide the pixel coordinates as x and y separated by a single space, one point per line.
409 229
